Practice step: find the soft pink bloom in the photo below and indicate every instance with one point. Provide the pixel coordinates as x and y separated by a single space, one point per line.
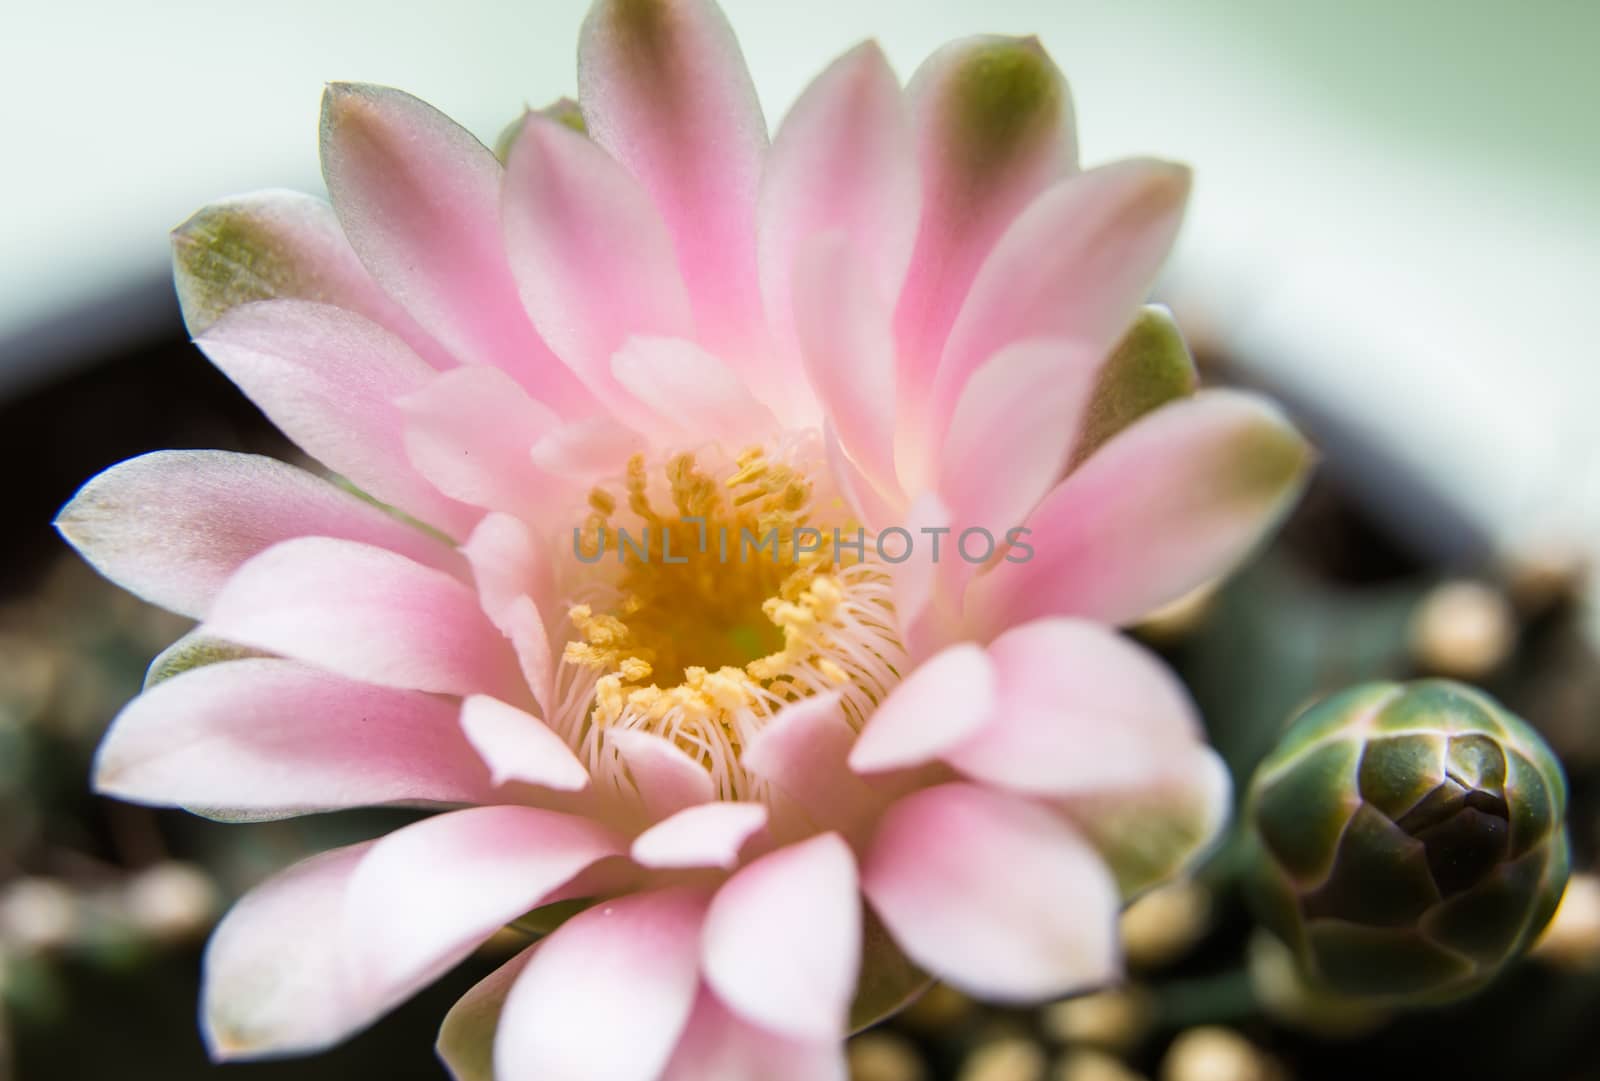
785 786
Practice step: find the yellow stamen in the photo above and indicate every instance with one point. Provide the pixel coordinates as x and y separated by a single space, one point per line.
715 617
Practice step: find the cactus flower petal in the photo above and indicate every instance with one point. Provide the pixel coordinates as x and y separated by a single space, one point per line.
1076 711
841 166
208 738
173 526
783 939
939 860
274 982
717 1046
625 966
425 896
467 1036
1196 512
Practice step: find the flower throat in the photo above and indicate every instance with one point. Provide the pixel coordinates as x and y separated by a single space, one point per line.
710 618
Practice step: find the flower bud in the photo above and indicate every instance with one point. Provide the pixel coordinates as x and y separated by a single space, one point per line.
1409 840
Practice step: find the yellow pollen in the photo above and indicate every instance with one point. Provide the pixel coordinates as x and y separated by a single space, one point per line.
715 617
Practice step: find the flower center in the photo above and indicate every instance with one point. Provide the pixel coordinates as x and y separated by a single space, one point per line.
712 592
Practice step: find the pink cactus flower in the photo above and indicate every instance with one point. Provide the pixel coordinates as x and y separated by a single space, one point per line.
658 430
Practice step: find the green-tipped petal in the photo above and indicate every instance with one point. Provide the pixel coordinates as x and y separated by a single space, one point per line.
1150 367
889 979
466 1038
994 128
275 245
563 111
995 104
257 247
194 650
1149 837
1172 502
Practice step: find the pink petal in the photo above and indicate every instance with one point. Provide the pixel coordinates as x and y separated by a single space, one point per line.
425 896
419 198
365 613
1008 440
466 1039
803 752
266 738
842 325
718 1046
530 641
690 394
515 591
272 984
944 700
843 162
517 746
280 244
994 128
921 604
469 432
996 895
1174 500
172 526
524 626
783 939
606 996
872 509
592 258
507 563
587 449
665 89
1079 709
667 780
705 835
329 379
1075 265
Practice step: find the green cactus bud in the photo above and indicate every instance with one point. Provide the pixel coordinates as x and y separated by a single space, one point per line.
1408 840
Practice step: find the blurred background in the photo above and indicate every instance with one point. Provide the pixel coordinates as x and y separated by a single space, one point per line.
1395 229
